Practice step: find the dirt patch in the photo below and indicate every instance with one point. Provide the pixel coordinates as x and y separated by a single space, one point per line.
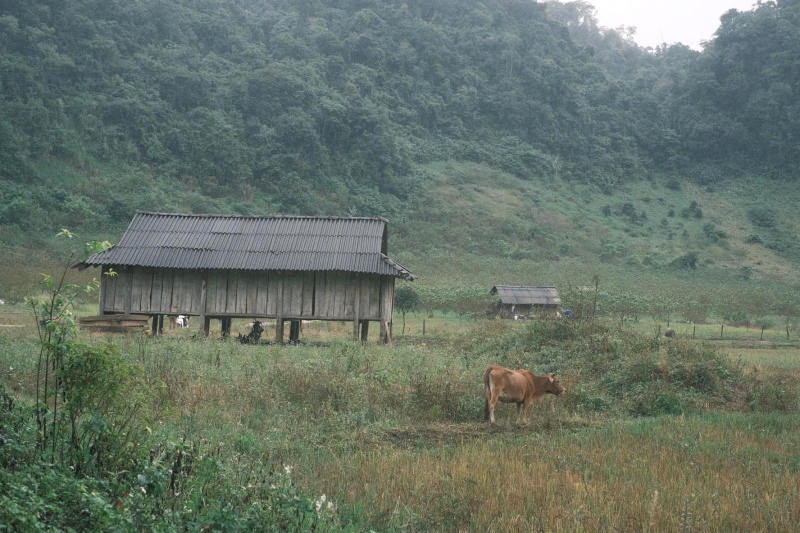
447 434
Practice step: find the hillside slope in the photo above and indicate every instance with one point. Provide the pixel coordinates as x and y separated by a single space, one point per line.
503 137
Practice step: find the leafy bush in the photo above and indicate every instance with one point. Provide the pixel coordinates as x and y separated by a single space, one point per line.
780 394
170 486
687 261
712 233
39 496
650 402
687 378
693 211
762 216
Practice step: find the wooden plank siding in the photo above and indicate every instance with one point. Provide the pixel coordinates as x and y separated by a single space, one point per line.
270 294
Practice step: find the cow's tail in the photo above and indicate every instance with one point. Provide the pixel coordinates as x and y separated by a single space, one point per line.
487 392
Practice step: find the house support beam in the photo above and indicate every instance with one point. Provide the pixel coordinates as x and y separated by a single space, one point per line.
294 331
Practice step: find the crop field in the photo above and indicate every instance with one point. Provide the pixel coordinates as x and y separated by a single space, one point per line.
653 434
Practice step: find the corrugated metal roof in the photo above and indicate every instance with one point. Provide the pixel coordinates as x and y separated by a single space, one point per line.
526 295
169 240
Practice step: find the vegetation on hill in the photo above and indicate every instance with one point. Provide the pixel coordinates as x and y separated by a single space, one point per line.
510 129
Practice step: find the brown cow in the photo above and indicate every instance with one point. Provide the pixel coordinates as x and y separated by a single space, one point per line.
518 386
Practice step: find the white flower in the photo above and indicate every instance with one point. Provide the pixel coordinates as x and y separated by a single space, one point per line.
320 502
287 469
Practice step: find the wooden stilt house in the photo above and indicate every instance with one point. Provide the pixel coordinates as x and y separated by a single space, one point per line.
287 268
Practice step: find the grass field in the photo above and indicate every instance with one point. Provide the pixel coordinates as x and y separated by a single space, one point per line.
394 436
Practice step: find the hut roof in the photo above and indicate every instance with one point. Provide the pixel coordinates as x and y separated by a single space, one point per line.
219 242
526 295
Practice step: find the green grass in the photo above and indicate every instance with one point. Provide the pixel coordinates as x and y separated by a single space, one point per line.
640 226
774 358
394 436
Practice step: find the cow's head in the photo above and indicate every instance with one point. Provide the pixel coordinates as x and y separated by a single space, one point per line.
554 386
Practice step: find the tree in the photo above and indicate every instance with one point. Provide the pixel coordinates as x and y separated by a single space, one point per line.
406 299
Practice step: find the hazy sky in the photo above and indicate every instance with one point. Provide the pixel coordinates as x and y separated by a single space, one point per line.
667 21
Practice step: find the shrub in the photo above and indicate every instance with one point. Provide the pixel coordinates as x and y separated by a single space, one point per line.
686 378
777 245
692 211
586 401
37 495
654 403
762 216
780 393
712 233
687 261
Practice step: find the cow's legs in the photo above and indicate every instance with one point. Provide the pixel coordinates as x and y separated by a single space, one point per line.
491 399
520 412
525 409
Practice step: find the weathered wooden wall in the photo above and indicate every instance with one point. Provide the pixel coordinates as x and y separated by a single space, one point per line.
287 295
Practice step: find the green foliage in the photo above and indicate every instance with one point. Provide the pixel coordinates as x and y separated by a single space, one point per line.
344 108
406 299
780 394
693 211
39 497
687 261
171 486
713 234
84 456
762 216
291 99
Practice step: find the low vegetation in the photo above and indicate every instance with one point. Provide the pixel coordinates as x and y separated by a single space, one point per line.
183 432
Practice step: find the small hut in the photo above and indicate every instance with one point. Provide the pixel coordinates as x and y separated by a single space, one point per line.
521 301
287 268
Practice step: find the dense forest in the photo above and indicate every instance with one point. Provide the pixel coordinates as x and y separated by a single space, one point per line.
335 107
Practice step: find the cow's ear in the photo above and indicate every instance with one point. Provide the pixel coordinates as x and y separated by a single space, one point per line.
552 377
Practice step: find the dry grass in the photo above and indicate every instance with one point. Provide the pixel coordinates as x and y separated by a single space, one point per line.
394 436
665 475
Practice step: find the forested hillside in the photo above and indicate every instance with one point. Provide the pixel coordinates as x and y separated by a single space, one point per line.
354 106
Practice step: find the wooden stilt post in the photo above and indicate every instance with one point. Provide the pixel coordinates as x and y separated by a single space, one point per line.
386 332
294 331
364 331
279 330
356 308
279 314
204 322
